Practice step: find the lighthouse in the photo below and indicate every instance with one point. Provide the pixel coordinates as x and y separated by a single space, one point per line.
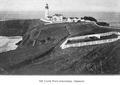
46 11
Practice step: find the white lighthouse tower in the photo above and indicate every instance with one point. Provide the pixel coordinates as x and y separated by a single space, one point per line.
46 11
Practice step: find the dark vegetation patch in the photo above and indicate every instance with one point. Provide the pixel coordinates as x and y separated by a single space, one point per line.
89 18
103 23
18 27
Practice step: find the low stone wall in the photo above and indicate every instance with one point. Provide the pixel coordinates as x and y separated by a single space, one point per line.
94 42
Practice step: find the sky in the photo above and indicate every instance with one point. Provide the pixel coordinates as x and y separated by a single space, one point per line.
60 5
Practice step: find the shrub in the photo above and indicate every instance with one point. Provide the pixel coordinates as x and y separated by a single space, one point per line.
89 18
103 23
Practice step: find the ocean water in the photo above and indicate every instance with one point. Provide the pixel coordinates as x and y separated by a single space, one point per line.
111 17
9 43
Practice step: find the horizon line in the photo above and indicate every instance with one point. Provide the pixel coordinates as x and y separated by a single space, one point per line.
55 11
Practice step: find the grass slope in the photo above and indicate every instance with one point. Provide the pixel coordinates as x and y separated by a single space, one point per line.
18 27
46 56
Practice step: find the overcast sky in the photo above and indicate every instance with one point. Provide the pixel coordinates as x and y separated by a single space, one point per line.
61 5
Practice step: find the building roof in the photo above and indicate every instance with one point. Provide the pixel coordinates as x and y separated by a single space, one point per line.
64 17
49 16
76 18
71 17
57 15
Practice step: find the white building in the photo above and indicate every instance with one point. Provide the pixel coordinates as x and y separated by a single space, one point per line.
70 19
73 19
58 18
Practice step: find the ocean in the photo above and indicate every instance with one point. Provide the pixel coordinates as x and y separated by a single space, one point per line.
9 43
111 17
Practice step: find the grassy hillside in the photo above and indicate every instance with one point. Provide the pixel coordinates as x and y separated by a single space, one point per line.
40 52
18 27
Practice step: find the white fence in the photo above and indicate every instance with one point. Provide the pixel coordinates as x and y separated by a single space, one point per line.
94 42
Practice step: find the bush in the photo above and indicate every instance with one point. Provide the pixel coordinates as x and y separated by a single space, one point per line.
103 23
89 18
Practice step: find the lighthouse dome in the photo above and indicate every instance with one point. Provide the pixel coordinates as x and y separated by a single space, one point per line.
46 6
